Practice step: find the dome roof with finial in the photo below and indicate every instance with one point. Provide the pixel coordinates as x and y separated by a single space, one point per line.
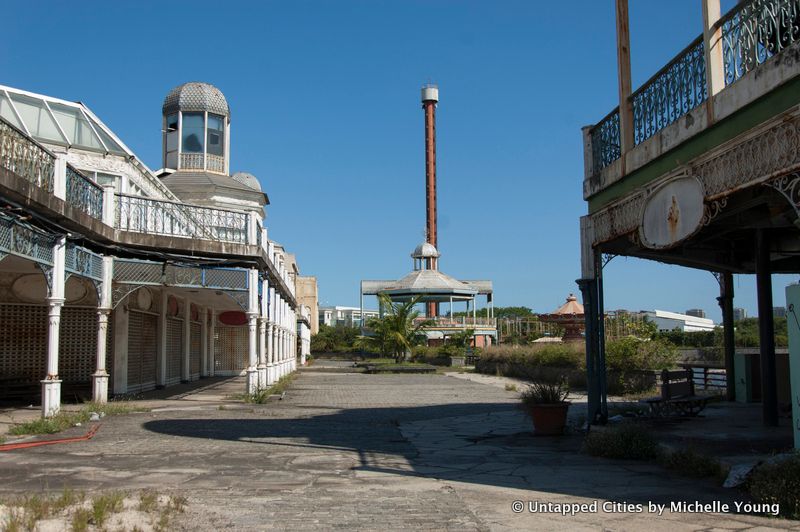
196 96
247 179
426 250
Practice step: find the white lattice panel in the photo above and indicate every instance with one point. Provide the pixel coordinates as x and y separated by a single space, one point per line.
23 343
174 350
194 352
230 352
78 344
142 346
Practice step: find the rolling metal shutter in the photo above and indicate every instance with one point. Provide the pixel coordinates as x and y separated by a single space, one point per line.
230 352
142 348
174 350
23 343
194 352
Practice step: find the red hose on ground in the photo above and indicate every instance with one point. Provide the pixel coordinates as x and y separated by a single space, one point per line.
26 445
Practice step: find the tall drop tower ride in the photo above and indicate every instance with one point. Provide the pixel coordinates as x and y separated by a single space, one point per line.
430 97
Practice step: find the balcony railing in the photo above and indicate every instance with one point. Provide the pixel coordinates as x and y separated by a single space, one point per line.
84 193
675 90
199 161
26 157
459 321
752 32
606 146
168 218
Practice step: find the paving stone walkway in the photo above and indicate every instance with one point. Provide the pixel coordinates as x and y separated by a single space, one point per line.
363 452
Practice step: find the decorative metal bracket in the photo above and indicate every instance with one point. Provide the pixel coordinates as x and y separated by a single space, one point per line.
605 259
121 291
712 210
242 298
788 186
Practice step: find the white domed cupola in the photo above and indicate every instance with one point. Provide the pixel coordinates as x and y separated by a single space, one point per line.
196 125
426 257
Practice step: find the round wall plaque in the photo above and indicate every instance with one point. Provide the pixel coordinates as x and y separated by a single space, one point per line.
672 213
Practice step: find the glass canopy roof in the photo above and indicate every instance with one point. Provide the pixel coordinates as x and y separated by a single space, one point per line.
56 121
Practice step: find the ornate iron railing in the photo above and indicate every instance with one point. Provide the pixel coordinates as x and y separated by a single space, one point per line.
606 147
754 31
673 91
168 218
84 193
26 157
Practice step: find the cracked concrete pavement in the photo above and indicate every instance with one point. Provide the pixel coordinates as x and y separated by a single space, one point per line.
364 452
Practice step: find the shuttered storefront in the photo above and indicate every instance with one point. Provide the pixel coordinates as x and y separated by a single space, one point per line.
142 349
230 351
194 351
174 350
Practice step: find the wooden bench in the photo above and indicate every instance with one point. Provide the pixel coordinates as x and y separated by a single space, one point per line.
677 395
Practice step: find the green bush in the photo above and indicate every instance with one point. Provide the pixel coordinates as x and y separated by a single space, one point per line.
778 483
691 463
626 442
337 339
626 354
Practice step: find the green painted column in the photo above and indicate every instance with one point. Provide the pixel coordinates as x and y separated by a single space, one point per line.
793 325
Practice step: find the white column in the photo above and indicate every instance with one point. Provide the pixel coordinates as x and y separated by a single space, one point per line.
51 385
100 376
211 343
186 367
271 336
263 379
715 65
252 328
271 354
204 342
109 207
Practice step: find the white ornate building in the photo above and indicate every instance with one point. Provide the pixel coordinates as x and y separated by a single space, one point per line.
115 279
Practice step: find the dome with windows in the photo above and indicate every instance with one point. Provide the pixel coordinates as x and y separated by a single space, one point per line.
196 96
426 250
248 180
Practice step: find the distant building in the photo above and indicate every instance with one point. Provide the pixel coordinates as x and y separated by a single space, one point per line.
344 316
778 312
739 314
669 321
307 295
696 312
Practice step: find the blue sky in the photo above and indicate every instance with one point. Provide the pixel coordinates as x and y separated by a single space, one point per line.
326 112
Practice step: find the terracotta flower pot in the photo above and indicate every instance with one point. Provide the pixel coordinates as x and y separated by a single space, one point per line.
549 420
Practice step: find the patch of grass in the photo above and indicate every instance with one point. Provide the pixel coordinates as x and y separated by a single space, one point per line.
691 463
64 419
105 505
778 483
24 512
626 442
80 520
148 501
177 503
261 395
283 383
14 521
511 387
50 425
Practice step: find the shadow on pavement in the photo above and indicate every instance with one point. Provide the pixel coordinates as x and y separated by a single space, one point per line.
480 443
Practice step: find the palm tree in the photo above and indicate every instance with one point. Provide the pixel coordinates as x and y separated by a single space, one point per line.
397 330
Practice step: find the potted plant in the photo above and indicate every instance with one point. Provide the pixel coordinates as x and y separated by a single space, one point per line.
547 406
